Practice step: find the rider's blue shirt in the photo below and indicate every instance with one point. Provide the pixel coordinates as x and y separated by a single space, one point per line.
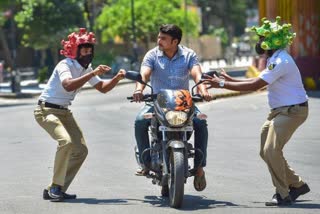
170 73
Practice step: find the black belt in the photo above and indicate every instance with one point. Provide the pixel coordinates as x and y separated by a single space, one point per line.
300 104
50 105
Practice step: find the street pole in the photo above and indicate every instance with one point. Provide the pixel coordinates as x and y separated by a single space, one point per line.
15 76
186 21
134 39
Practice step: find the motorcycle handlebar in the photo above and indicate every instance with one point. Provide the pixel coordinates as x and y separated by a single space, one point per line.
197 98
150 97
146 97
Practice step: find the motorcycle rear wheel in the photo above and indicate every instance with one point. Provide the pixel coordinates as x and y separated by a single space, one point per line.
176 182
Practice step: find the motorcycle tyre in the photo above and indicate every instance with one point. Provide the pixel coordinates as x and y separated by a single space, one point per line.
176 182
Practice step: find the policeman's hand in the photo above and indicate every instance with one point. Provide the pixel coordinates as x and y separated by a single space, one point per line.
121 74
224 75
212 82
101 69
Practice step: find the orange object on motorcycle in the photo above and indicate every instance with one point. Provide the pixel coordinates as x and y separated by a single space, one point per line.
183 100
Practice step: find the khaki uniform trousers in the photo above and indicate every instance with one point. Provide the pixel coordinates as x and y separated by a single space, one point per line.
275 133
71 149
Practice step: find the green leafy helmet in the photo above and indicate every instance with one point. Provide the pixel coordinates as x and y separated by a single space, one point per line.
276 36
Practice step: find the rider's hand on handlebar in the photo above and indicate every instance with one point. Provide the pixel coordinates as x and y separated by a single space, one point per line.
207 96
223 74
137 96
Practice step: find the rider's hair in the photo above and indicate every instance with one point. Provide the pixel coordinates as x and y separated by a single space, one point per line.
173 30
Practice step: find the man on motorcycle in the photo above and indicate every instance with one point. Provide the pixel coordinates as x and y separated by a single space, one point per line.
53 115
168 66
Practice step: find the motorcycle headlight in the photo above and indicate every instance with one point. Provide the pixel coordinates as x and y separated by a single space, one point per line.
176 118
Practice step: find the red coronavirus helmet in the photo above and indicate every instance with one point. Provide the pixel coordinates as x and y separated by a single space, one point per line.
70 47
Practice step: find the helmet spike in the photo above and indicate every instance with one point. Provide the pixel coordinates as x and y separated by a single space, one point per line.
276 36
70 46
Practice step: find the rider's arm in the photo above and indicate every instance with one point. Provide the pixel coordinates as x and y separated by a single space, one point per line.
196 74
145 74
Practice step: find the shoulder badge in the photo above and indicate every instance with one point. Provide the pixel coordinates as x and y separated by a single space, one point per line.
271 66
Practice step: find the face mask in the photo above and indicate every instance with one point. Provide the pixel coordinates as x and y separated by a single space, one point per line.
259 50
84 61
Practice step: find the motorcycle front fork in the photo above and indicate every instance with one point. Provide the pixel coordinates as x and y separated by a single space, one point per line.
166 158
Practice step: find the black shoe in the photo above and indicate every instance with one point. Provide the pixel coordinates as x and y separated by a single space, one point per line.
278 201
165 191
69 196
65 196
55 194
296 192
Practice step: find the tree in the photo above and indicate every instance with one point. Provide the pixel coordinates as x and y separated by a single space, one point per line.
229 14
6 14
116 20
44 22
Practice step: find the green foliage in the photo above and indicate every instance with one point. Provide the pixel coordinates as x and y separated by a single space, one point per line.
4 7
103 58
2 20
42 75
116 20
222 34
45 22
228 14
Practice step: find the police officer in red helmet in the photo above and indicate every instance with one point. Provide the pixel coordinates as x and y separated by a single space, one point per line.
54 116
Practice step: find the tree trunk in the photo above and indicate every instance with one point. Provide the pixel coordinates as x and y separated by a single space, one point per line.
7 53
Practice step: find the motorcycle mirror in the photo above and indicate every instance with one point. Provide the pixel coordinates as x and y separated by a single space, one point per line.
210 73
134 75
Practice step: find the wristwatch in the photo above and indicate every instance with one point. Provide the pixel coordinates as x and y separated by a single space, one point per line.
221 83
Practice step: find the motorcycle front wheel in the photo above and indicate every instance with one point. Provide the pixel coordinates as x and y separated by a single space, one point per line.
176 183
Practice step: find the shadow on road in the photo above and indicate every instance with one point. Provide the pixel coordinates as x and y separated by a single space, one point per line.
190 202
98 201
306 205
296 205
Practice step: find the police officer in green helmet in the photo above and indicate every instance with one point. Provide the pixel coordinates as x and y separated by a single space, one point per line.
288 103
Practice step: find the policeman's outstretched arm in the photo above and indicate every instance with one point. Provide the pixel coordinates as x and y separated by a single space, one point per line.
249 85
70 84
105 86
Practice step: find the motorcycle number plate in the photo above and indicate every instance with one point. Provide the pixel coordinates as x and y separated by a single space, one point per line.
186 129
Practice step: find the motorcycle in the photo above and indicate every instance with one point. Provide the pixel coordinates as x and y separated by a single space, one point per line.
170 129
